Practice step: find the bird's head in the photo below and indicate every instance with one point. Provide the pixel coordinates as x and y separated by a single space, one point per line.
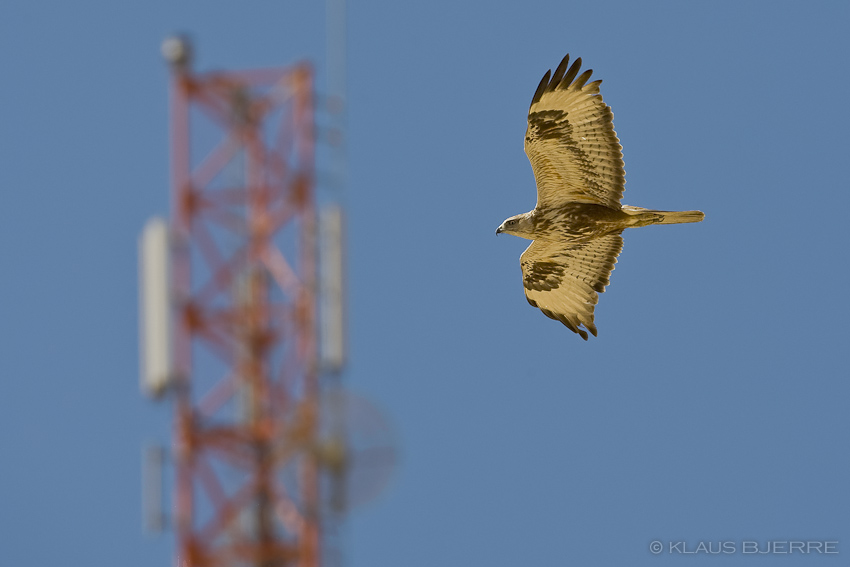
518 225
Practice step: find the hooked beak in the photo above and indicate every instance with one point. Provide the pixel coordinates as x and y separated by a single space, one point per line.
499 230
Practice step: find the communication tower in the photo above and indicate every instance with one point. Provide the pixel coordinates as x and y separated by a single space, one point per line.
230 297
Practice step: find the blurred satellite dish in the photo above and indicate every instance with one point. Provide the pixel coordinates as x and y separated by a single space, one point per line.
355 448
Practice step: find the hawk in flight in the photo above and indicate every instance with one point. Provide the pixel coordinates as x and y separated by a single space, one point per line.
575 227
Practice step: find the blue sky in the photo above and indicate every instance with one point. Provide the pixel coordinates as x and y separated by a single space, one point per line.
712 407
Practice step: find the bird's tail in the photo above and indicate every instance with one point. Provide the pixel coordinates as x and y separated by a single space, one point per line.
644 217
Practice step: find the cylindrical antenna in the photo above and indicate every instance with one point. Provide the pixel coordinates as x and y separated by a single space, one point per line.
336 88
153 467
332 289
155 329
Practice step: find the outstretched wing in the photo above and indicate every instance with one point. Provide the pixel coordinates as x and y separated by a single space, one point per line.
564 279
571 143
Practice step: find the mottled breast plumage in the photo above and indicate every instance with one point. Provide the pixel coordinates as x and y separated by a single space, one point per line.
577 221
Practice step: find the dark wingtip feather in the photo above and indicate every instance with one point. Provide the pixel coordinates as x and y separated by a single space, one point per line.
564 78
559 74
571 74
594 86
567 322
579 83
541 88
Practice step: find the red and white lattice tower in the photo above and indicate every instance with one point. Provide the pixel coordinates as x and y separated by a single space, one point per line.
243 283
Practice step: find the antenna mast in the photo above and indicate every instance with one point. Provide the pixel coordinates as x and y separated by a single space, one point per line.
244 283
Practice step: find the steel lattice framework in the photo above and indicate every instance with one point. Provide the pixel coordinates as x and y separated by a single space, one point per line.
244 280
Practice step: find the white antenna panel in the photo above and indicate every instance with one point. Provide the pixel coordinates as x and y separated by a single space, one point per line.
331 271
155 308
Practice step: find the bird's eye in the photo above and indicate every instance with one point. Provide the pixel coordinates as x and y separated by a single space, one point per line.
511 222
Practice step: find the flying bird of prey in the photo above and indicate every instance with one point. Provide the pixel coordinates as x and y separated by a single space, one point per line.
575 227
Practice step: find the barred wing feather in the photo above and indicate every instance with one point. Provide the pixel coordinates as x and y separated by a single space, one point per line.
564 279
571 142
